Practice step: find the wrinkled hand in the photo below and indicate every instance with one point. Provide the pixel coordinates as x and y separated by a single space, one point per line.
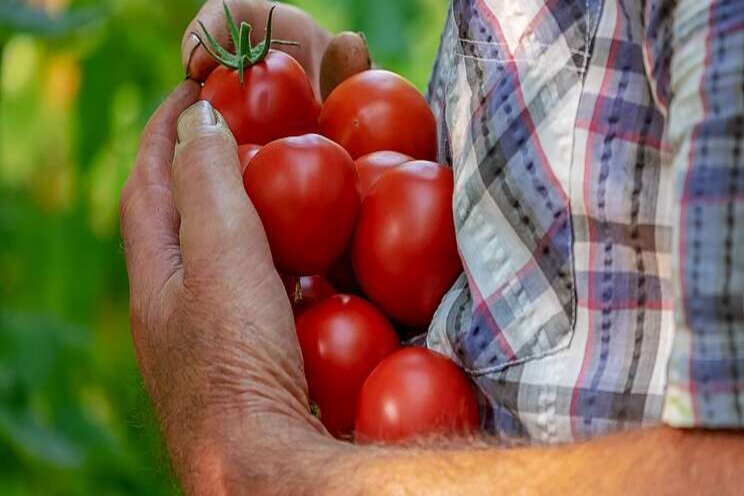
211 322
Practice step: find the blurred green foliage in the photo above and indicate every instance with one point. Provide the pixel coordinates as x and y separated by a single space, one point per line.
78 80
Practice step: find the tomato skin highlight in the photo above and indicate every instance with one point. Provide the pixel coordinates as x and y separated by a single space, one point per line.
377 110
306 192
404 251
415 392
246 154
276 100
343 338
373 165
312 290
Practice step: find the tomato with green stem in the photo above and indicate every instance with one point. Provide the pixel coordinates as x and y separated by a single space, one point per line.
263 94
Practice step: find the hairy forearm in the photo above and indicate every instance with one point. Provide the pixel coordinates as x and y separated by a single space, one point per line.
660 460
270 454
655 461
286 457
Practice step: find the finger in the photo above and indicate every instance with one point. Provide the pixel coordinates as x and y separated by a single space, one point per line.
149 221
196 61
347 54
218 221
290 23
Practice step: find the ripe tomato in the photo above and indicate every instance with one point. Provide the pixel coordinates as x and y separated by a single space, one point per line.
307 291
306 191
404 251
415 392
274 101
342 339
378 110
246 154
371 167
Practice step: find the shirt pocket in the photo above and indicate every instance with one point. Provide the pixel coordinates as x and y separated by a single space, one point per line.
512 95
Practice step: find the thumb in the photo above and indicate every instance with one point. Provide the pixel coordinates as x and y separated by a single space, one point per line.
217 218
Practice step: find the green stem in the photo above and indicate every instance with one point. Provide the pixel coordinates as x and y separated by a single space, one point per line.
245 55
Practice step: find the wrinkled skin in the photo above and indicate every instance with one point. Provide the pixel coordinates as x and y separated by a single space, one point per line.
211 323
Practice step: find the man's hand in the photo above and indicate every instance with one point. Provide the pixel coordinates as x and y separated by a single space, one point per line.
211 322
290 24
215 340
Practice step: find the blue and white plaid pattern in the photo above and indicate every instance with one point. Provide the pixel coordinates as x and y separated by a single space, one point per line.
599 206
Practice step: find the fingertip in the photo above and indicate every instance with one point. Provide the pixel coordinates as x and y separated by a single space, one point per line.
197 63
199 120
189 46
205 149
200 65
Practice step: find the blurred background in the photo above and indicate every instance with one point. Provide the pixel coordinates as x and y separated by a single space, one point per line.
78 80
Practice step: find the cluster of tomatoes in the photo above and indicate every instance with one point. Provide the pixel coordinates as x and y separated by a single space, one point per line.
359 221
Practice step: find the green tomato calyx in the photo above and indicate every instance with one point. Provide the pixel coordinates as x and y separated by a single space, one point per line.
246 55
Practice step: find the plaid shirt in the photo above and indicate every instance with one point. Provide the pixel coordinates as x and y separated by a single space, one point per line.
598 152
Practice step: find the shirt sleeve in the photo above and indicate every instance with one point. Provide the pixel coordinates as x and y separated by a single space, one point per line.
694 54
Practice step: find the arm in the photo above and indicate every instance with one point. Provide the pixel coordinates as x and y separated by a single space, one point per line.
656 461
215 341
216 345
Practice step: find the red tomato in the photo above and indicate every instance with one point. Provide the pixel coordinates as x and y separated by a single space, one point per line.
404 251
306 191
378 110
342 339
307 291
371 167
246 154
415 392
276 99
